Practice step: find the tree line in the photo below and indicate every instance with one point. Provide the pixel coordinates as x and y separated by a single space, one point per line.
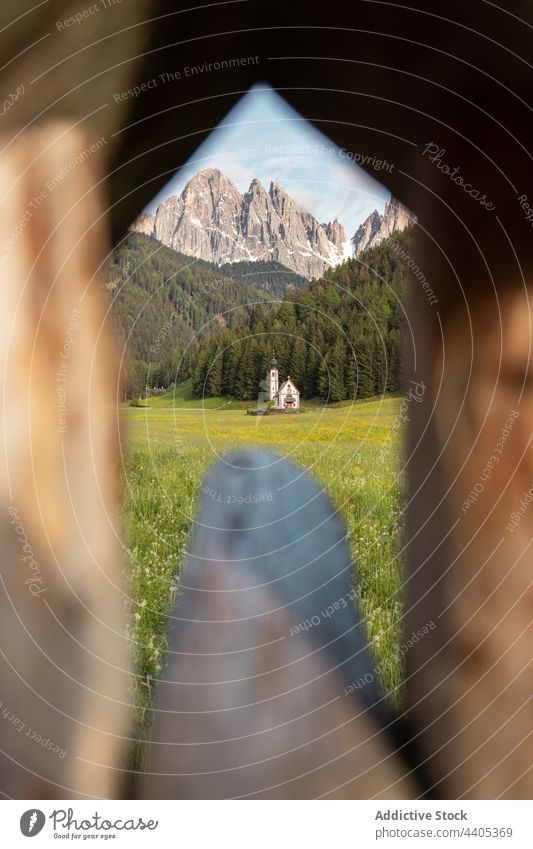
340 338
165 305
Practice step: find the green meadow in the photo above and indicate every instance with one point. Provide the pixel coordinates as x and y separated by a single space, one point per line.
353 450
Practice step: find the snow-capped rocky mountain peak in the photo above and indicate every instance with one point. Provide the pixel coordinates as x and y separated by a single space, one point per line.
213 221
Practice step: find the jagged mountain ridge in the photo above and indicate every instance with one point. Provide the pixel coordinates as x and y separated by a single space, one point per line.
377 227
213 221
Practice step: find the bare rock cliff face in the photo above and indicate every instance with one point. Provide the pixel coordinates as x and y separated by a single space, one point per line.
144 223
213 221
335 233
378 227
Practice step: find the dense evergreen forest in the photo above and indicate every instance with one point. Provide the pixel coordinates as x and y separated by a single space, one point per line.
340 338
162 300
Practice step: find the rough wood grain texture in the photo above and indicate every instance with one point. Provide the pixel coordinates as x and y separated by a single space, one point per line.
63 663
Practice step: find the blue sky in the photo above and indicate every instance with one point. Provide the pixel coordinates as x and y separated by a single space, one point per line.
263 137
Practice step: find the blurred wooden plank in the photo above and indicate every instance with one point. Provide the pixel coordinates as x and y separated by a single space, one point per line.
64 661
63 59
267 651
470 681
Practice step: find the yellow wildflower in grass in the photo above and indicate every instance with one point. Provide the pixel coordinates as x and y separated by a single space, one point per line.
352 451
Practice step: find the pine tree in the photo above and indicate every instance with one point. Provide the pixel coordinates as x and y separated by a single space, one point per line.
248 385
393 361
297 362
379 366
350 376
215 373
200 373
336 361
310 382
231 375
363 349
324 380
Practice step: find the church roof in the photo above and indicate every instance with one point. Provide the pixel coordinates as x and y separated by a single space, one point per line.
284 384
273 361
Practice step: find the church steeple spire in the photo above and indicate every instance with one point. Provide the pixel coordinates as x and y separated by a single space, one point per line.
273 377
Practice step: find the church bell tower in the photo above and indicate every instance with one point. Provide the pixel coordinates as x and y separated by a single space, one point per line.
273 377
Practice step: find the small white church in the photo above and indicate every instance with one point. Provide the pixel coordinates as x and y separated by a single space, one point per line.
286 396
